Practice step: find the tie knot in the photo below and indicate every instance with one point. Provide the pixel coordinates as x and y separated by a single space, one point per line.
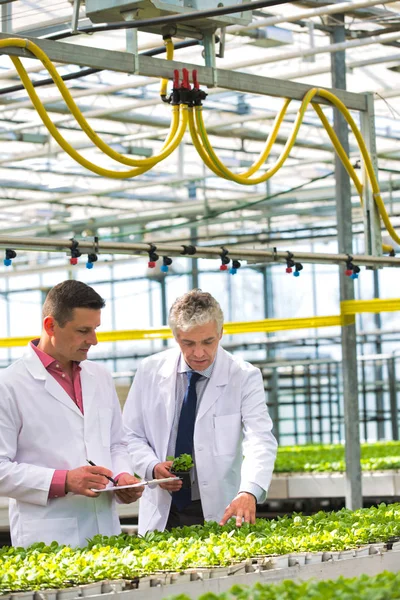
193 377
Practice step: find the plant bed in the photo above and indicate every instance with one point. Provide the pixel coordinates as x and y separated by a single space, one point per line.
156 555
312 458
384 586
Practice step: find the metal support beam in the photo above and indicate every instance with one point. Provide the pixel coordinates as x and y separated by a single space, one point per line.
75 15
268 301
349 346
378 368
372 222
154 67
6 18
164 308
394 411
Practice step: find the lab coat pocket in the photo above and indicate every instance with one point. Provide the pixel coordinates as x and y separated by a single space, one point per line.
105 416
227 433
63 531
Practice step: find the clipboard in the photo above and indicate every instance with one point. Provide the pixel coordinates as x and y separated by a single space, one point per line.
135 485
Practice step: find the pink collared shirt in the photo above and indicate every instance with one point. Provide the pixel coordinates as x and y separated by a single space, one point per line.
72 385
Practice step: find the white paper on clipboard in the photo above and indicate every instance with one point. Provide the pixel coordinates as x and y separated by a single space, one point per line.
135 485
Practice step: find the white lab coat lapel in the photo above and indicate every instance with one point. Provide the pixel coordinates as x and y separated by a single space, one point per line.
88 384
167 393
216 385
38 371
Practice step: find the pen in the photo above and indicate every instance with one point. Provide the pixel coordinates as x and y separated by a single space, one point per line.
109 478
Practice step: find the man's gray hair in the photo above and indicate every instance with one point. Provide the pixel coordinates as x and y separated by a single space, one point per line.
195 308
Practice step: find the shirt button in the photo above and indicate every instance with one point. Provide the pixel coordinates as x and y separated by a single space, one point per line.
58 366
63 375
200 448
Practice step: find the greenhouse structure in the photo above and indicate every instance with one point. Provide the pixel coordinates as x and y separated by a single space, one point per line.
199 305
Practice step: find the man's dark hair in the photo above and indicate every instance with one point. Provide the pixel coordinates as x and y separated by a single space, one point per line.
64 297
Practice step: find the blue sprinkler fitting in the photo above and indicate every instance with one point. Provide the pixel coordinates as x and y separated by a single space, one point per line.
235 266
10 254
166 263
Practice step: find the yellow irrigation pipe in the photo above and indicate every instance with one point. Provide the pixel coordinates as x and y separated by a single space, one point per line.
352 307
204 147
170 55
199 134
169 148
263 326
349 309
339 150
244 179
172 141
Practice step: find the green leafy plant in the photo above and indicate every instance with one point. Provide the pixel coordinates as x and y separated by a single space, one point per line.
318 458
181 463
126 557
380 587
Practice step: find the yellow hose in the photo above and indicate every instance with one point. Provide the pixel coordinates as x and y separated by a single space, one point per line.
200 148
367 161
180 118
170 55
206 151
174 143
141 163
339 149
243 179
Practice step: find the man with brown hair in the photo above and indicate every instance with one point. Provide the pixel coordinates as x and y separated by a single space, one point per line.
59 411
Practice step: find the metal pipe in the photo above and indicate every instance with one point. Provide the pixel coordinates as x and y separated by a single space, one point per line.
341 7
336 47
256 256
353 490
85 72
352 64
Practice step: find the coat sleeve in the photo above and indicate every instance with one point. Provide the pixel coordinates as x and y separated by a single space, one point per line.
22 481
259 443
142 453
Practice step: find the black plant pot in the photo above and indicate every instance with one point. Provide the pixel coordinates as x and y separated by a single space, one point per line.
186 478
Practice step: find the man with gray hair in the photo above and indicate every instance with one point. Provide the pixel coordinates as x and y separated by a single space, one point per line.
203 401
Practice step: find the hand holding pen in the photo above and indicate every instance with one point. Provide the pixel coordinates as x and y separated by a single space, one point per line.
107 476
84 480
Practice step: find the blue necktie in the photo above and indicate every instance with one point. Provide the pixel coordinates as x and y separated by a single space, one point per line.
184 438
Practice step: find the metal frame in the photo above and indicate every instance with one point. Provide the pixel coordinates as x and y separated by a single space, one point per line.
153 67
210 76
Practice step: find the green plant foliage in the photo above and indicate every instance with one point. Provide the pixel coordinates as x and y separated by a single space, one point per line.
126 557
182 463
331 457
384 586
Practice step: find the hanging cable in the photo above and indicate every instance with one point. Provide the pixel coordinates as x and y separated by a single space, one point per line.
208 155
190 111
174 137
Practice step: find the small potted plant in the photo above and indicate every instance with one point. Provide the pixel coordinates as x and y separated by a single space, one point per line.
181 467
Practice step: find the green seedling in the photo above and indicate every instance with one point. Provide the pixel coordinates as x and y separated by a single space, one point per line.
181 463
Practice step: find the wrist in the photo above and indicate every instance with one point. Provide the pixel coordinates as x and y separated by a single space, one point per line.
249 494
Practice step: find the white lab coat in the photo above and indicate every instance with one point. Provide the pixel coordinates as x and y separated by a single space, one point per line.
41 430
232 422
